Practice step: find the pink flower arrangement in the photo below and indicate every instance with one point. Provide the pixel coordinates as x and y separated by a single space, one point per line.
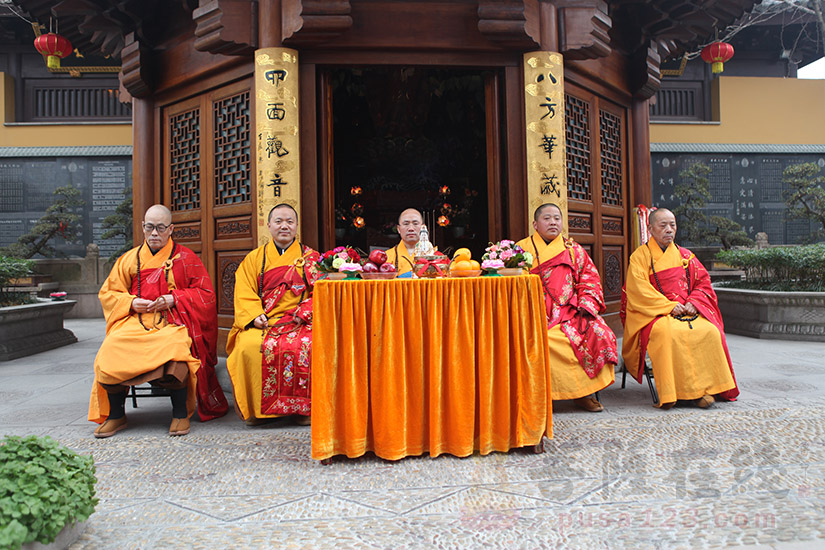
507 254
332 260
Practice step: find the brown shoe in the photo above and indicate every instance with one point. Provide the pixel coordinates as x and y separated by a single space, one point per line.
665 406
705 401
110 427
303 420
589 404
179 426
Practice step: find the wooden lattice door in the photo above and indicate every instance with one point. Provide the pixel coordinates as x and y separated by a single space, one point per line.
207 170
597 168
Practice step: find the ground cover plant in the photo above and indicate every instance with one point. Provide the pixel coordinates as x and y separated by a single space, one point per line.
43 487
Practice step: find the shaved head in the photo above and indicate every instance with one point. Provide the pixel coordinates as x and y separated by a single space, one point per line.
662 226
157 226
538 211
159 212
651 219
409 226
410 212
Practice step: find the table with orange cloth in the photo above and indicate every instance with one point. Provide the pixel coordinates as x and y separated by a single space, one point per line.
402 367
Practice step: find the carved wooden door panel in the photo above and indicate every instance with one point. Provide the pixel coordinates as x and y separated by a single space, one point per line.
597 168
207 171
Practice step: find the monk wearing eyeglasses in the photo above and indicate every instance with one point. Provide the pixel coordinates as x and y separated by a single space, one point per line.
161 328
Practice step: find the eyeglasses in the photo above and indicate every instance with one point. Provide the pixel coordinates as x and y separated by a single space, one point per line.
149 227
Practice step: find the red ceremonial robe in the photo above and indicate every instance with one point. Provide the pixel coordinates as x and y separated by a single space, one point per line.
574 300
194 308
287 345
689 283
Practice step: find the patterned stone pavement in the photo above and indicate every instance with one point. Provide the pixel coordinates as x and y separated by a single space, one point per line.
749 473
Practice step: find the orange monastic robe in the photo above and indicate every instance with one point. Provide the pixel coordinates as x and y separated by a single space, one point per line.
131 349
245 342
688 363
399 256
569 380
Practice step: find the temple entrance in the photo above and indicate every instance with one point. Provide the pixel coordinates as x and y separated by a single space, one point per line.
405 137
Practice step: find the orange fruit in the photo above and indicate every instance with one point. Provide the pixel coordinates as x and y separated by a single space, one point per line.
474 265
462 265
462 254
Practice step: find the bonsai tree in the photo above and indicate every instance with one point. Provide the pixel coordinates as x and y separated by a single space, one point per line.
12 268
44 486
117 224
805 197
697 227
59 219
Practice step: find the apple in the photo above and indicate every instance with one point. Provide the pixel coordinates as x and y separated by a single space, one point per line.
370 267
387 268
378 257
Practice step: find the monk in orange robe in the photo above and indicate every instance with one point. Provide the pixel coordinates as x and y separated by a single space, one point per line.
672 314
409 227
583 353
270 344
161 327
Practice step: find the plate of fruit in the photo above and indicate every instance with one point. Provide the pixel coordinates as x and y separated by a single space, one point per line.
377 267
463 265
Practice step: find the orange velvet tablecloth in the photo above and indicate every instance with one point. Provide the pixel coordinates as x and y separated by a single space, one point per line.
402 367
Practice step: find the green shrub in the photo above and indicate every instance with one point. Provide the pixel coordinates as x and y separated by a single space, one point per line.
12 268
43 487
796 268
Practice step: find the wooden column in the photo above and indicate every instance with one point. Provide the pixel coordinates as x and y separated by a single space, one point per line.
640 183
143 161
269 23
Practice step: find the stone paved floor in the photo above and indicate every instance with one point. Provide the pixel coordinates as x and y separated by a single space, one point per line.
750 473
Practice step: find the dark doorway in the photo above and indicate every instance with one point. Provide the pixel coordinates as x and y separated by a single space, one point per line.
407 137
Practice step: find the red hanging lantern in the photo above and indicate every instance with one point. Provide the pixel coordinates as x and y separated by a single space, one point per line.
717 53
54 47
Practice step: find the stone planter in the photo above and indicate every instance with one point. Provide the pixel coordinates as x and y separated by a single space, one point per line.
776 315
32 328
65 538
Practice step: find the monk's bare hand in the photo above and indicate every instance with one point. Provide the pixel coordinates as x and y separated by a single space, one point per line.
162 303
141 305
690 309
260 321
678 310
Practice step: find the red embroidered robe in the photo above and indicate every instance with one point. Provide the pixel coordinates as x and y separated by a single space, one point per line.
574 299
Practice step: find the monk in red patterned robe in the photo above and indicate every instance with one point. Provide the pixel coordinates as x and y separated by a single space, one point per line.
671 313
161 327
270 344
582 346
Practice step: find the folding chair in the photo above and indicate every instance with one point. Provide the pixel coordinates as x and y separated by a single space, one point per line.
149 391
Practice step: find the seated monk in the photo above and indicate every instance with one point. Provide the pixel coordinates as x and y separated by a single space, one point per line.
161 327
270 343
673 316
583 352
409 227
